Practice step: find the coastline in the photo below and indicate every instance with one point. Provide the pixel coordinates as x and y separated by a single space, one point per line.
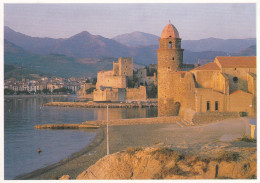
36 96
146 135
50 172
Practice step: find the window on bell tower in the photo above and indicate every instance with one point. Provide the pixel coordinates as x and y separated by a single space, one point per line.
170 44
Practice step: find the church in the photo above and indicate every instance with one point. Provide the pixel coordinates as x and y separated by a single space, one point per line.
226 85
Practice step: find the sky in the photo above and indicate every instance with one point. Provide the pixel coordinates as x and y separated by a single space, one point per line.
193 21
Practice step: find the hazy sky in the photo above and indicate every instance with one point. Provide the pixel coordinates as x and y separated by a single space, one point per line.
193 21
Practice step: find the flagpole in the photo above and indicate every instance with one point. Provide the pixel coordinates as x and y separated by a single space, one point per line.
107 133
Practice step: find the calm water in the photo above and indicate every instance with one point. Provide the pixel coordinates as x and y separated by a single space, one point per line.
21 140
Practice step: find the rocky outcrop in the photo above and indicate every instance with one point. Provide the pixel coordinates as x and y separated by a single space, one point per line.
164 163
64 177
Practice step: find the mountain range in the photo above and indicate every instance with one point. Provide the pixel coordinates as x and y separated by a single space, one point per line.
85 54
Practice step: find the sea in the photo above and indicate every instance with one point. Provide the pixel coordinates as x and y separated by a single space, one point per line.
21 140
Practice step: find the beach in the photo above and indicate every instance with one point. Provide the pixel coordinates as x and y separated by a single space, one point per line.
207 139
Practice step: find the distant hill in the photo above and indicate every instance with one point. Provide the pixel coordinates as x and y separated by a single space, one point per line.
84 54
19 72
80 45
31 44
52 64
135 39
213 44
250 51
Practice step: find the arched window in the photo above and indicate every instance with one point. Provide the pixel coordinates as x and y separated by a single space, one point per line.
170 44
235 79
216 105
208 106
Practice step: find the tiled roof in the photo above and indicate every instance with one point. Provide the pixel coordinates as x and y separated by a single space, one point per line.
238 91
229 62
208 66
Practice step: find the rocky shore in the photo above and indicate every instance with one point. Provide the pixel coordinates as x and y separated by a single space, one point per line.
165 163
202 140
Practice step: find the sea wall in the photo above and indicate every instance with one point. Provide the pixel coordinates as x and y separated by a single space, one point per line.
103 105
135 121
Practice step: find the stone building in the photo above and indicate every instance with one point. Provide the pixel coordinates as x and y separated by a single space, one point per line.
226 85
82 92
112 84
144 79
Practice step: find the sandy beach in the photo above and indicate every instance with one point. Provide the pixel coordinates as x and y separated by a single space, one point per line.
207 139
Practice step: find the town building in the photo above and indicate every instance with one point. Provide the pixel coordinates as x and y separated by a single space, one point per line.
112 84
226 85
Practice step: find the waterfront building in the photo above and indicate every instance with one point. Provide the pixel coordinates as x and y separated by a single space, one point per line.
224 86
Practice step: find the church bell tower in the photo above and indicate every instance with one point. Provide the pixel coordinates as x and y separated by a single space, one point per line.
170 60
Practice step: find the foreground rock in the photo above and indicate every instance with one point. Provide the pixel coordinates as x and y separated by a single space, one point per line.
65 177
163 163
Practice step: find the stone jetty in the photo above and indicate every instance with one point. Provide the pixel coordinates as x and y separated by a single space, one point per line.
137 121
65 126
103 105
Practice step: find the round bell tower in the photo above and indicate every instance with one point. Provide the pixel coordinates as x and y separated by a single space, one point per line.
170 60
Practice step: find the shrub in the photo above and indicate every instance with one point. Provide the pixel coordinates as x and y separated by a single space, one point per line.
245 138
228 156
132 150
168 153
90 90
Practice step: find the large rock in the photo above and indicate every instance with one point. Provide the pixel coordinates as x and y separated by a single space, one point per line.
163 163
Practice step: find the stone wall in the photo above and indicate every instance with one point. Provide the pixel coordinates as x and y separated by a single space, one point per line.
241 101
241 82
106 79
109 94
221 83
136 93
81 93
205 117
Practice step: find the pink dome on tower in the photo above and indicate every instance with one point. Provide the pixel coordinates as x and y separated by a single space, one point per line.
170 31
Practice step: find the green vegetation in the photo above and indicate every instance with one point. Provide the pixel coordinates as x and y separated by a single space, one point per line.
94 81
167 153
153 92
46 91
19 72
227 156
62 91
90 90
132 150
8 91
23 93
150 72
245 138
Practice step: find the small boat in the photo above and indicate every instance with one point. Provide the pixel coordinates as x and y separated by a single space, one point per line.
39 150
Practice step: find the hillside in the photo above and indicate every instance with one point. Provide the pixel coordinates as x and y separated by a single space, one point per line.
250 51
52 64
214 44
18 72
80 45
143 46
84 54
135 39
